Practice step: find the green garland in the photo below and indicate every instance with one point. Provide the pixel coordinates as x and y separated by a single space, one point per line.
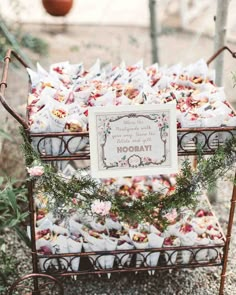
151 207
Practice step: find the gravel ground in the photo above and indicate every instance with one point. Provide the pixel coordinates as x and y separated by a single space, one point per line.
114 44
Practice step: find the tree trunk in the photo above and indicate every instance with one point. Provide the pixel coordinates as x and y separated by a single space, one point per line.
153 30
220 37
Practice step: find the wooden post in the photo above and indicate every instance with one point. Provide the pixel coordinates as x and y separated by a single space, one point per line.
220 36
153 30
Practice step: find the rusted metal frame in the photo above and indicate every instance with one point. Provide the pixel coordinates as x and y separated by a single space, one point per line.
219 52
36 276
131 251
222 262
3 86
87 157
57 134
135 269
228 239
208 146
180 130
32 233
64 261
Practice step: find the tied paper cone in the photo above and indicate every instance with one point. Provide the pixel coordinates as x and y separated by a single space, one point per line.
76 122
44 263
139 245
91 243
213 254
124 258
102 243
60 246
45 224
92 258
57 119
74 247
154 241
187 239
75 228
202 254
171 255
60 230
111 245
41 124
97 226
173 229
111 224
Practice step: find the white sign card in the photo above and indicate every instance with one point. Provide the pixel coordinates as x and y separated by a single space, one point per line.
133 140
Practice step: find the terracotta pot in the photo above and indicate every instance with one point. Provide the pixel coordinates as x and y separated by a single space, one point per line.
57 7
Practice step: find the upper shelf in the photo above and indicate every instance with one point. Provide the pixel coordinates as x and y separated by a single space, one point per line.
74 145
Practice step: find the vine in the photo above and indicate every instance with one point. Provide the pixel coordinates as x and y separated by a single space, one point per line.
80 191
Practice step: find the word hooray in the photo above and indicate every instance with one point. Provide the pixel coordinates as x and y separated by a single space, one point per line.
136 148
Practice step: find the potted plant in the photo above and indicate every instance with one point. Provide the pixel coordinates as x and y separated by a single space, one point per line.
57 7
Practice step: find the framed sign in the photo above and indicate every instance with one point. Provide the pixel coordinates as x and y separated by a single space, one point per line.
133 140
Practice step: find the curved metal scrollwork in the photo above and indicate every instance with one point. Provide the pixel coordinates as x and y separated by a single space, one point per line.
55 146
208 140
131 260
38 284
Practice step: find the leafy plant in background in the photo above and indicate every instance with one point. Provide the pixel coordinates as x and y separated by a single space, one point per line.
13 212
15 38
13 201
34 43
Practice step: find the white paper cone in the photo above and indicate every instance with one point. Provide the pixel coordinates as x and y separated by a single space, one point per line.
171 255
214 254
139 257
60 246
173 230
87 248
44 263
60 230
154 241
76 122
97 226
123 257
100 260
96 245
110 224
202 254
198 228
111 245
45 224
57 124
48 216
187 239
74 247
41 124
74 227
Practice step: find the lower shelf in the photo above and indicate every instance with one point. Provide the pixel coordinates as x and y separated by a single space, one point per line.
131 260
195 241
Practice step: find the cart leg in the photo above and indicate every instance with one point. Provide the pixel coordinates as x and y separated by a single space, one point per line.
227 242
32 231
